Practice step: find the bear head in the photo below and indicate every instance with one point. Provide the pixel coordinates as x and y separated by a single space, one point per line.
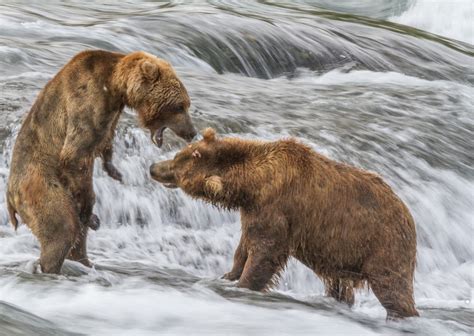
210 169
153 89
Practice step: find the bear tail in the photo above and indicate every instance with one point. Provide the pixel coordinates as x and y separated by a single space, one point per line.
11 213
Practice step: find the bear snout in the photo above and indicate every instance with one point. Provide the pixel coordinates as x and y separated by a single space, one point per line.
161 172
186 133
191 135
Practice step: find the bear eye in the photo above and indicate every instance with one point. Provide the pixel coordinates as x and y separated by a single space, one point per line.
180 109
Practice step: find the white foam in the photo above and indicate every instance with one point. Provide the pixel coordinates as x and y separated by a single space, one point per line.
366 77
449 18
142 308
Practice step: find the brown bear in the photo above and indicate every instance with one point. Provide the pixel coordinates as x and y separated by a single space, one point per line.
345 224
72 122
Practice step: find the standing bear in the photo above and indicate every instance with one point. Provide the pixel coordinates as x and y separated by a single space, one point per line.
72 122
344 223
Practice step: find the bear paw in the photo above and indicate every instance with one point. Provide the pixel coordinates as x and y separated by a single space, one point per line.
94 222
231 276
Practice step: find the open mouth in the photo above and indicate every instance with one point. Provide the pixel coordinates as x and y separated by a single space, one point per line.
157 136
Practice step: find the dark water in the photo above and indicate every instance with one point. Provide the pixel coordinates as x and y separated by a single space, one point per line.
344 77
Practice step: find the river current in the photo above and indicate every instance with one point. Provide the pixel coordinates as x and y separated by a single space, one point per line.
387 86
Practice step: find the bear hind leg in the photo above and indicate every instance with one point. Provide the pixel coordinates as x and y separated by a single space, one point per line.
56 238
341 290
79 249
52 218
53 255
396 299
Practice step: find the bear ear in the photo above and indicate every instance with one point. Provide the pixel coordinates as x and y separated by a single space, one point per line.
209 134
213 185
150 70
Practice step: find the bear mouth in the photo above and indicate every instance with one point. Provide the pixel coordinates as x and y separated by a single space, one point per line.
157 136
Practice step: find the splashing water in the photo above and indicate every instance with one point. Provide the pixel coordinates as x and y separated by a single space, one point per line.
448 18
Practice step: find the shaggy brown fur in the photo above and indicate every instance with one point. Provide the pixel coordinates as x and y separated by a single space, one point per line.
344 223
72 122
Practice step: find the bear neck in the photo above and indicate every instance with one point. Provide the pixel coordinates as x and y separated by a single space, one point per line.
259 171
244 164
126 79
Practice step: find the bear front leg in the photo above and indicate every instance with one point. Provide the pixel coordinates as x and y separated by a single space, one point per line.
265 233
263 265
240 257
107 164
108 152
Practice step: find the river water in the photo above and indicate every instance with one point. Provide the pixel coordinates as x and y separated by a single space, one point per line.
346 77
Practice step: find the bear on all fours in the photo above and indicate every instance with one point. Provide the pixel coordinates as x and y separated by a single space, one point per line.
345 224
